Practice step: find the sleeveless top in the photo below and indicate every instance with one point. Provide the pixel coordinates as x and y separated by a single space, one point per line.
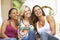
10 31
45 28
25 27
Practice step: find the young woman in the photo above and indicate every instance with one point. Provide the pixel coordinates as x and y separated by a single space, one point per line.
26 29
45 25
9 27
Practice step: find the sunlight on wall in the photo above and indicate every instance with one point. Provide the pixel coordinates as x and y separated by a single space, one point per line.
57 17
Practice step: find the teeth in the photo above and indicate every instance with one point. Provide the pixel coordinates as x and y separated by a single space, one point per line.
15 16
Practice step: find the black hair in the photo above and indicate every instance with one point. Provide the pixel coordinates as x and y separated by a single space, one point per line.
10 12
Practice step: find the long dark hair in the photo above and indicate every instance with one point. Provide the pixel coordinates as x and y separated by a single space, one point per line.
10 12
33 16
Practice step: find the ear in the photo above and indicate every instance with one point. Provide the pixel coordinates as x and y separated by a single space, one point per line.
9 15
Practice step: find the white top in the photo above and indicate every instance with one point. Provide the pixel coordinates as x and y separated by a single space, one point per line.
45 28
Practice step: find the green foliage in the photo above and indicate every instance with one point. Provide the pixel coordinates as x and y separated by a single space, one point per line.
51 12
17 4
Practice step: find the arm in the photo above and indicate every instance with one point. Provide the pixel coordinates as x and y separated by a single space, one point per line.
52 24
0 31
4 25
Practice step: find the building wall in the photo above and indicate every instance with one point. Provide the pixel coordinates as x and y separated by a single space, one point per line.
5 6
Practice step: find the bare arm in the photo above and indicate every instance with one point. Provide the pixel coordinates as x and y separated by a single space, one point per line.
3 29
52 24
0 31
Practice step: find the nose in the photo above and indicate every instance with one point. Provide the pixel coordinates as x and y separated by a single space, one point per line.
16 14
37 10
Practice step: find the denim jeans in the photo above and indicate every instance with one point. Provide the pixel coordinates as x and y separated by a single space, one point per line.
0 38
9 39
31 36
46 36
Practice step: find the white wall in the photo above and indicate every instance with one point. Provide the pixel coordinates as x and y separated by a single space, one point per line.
58 12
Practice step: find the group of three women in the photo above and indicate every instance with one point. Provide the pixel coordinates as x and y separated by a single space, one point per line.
30 24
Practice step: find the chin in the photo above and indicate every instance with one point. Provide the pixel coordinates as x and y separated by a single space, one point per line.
16 19
28 16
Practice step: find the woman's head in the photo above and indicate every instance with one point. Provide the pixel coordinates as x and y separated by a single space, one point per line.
37 11
25 11
13 14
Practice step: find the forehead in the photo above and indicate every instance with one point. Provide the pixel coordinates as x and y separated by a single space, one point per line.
27 8
37 8
14 10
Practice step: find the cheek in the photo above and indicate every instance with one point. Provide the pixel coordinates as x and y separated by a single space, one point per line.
12 16
35 13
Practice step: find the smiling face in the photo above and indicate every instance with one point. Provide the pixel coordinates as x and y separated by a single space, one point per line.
38 11
14 14
27 12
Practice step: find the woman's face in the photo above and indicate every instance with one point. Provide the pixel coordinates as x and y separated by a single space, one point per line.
14 14
27 12
37 11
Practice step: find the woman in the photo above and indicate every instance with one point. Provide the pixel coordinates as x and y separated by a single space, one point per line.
9 27
26 29
45 25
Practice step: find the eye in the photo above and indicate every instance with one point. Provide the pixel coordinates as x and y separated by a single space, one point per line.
28 10
35 10
17 12
13 13
25 11
38 9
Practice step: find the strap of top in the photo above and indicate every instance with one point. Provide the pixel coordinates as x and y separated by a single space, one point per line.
9 22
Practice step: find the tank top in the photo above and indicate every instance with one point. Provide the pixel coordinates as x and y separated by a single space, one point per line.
45 28
10 31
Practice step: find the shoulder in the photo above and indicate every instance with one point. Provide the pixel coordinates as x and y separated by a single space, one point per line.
49 17
5 22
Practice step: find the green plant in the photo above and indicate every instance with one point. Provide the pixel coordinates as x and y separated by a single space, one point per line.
17 4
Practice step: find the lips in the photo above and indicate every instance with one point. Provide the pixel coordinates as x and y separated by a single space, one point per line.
16 16
38 13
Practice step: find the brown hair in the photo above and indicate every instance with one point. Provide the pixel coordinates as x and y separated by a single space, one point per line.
33 16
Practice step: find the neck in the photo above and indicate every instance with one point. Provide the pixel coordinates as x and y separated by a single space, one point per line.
14 21
26 19
41 18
